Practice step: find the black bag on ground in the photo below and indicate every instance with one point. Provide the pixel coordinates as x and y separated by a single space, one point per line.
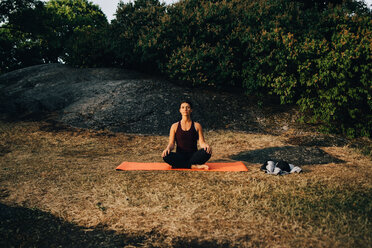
284 166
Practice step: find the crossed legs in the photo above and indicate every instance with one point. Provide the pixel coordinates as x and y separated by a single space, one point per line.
194 160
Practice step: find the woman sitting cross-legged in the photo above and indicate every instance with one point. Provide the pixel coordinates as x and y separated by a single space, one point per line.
185 134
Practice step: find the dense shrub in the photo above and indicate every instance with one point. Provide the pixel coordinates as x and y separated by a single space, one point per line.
327 75
335 79
135 36
198 35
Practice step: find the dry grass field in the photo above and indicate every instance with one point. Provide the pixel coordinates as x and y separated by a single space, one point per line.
61 189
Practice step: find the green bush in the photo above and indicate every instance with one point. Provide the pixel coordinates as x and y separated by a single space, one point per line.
199 46
328 79
135 34
336 82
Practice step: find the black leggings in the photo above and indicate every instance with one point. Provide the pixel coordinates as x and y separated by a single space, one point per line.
185 160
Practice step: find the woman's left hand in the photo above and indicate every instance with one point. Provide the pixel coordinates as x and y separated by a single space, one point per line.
207 148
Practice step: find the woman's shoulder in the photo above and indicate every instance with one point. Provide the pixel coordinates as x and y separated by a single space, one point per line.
197 125
174 126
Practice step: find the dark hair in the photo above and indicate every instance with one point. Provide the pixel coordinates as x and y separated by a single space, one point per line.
186 101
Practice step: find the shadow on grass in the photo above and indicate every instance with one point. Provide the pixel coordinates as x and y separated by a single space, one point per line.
23 227
181 243
297 155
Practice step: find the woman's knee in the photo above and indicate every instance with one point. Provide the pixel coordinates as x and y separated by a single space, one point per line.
167 158
205 154
200 157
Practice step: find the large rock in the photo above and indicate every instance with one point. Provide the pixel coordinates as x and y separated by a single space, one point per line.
117 100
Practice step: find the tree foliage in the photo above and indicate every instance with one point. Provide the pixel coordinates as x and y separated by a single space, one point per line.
135 34
34 32
76 24
21 33
316 54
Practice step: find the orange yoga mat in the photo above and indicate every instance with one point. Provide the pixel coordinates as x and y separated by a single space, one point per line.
229 166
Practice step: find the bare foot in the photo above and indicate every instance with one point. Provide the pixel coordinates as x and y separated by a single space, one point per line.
200 166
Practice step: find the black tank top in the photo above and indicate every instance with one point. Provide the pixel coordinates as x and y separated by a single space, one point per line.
186 140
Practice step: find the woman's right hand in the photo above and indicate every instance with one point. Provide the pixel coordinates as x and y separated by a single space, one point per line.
170 146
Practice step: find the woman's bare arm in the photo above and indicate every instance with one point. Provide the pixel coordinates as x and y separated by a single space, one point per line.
202 142
172 134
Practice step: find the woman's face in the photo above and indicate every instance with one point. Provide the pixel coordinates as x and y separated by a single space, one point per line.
185 109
